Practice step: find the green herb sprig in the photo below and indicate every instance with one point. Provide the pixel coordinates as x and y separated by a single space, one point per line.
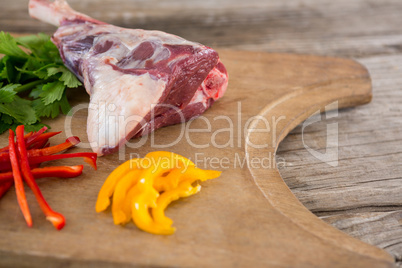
33 81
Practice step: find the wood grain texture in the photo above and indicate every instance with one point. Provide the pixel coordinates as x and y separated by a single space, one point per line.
358 28
247 217
362 196
369 171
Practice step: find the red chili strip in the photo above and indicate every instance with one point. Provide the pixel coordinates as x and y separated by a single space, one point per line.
35 140
55 218
70 142
41 137
37 156
35 135
45 172
90 158
5 149
5 161
19 185
39 144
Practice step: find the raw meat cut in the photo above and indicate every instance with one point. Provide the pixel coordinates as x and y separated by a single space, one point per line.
137 80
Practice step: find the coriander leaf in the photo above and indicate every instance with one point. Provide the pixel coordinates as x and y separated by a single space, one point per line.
7 119
41 47
3 71
39 71
35 43
52 110
49 53
33 64
53 70
42 73
28 86
8 46
64 105
12 74
29 68
36 92
69 79
43 110
35 127
20 109
51 92
3 74
7 93
4 126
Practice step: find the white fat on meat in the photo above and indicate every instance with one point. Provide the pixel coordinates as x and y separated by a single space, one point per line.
109 119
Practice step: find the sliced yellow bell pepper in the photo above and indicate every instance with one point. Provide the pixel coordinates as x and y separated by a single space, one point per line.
168 182
108 187
184 189
126 206
122 187
146 194
143 188
194 173
144 198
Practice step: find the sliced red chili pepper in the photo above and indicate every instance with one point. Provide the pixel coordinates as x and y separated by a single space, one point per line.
5 164
55 218
70 142
90 158
39 144
35 141
5 161
34 136
29 134
4 187
58 171
5 149
37 156
41 137
19 185
45 172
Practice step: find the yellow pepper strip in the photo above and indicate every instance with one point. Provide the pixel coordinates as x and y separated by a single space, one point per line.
143 199
194 173
119 195
171 180
168 182
126 206
136 186
158 213
184 189
108 187
146 194
162 162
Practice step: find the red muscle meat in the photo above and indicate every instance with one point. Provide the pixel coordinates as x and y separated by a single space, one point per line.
137 80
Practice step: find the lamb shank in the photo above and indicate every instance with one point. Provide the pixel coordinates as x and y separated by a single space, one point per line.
137 80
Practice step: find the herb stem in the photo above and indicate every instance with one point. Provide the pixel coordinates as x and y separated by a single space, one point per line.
28 86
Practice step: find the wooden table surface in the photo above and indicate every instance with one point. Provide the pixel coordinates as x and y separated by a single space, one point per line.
362 195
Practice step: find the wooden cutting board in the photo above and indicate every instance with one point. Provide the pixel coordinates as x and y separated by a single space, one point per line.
246 218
